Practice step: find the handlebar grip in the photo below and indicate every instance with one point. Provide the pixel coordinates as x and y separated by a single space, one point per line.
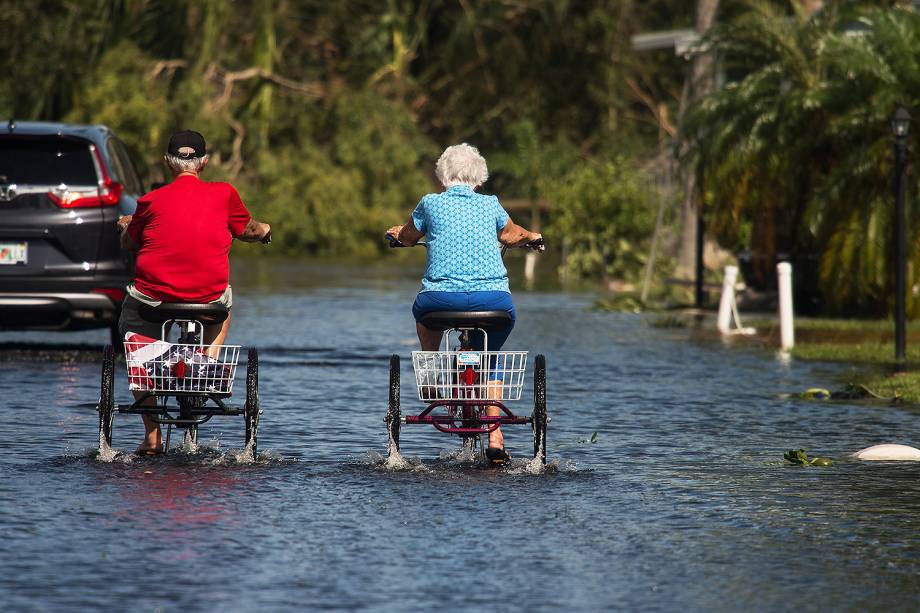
537 245
394 242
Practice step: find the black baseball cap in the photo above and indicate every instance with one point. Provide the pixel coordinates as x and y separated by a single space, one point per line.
186 144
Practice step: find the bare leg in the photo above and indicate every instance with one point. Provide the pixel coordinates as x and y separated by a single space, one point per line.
215 335
429 339
153 438
496 438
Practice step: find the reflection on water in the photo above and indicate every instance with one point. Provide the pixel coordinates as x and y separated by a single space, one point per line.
666 488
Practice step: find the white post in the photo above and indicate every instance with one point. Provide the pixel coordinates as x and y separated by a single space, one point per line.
530 265
786 326
724 321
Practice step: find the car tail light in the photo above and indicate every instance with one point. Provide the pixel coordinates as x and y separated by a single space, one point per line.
108 194
70 198
115 293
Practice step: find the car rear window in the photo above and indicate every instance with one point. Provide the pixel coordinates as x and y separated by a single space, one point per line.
45 162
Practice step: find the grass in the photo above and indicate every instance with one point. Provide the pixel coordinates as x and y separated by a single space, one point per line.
864 343
878 359
880 354
905 385
882 326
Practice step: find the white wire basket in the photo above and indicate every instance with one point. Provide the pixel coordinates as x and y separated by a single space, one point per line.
160 366
464 375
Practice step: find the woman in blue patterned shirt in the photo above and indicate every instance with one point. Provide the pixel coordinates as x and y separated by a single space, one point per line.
465 231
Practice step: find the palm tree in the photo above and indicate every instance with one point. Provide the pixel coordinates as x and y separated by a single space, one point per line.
871 72
796 149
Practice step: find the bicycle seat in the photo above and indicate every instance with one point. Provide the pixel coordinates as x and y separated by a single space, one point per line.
443 320
205 313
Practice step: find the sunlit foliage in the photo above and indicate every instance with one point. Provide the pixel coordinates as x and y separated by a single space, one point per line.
796 149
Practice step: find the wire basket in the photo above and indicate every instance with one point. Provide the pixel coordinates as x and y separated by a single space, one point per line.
465 375
160 366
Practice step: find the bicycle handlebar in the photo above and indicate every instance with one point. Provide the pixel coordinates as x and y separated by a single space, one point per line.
394 242
535 245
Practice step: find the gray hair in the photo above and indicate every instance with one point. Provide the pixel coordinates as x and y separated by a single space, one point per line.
177 164
461 165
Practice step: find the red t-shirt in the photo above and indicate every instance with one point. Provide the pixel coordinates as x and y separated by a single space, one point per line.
184 231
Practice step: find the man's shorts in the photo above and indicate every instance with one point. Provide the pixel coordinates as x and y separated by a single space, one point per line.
131 320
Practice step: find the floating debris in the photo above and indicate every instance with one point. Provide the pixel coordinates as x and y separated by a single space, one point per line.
798 456
852 391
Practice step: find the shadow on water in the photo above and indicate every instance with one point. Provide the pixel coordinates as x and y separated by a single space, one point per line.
50 352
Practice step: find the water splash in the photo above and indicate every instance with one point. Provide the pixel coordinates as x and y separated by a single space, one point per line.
107 454
188 446
246 455
463 455
395 462
104 453
533 466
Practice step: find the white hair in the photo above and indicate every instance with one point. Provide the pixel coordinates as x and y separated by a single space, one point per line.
461 165
177 164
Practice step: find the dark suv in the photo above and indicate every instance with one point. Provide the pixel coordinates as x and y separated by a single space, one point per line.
62 187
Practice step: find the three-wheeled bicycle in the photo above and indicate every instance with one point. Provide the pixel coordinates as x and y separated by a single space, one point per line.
198 376
460 381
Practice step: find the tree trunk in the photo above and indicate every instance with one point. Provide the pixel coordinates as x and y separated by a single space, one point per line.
699 83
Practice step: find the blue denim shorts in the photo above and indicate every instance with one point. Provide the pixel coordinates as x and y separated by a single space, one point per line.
428 302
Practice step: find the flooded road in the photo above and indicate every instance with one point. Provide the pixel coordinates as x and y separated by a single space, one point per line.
681 502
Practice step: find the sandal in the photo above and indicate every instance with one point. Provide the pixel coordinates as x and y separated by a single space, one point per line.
497 455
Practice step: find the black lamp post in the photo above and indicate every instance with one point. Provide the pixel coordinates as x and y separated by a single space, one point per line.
900 126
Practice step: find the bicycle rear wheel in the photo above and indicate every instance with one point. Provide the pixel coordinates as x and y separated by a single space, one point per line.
539 417
252 408
393 416
107 396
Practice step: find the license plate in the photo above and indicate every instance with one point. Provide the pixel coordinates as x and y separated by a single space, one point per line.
14 253
468 358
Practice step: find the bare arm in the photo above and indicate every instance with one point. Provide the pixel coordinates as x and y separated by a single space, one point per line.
125 239
406 234
256 232
514 235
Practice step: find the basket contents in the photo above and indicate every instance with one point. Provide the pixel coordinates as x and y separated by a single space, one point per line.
156 365
465 375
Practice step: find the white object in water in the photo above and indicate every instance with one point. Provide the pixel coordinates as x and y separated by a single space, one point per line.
725 304
889 452
786 328
728 308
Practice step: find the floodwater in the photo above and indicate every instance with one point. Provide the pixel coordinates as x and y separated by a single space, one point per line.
681 502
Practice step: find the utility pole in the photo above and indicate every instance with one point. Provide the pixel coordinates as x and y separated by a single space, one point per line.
900 126
700 83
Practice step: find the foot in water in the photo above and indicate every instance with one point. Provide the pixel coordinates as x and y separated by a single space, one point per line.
153 443
497 455
153 438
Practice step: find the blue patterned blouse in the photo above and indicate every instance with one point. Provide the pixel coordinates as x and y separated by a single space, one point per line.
461 229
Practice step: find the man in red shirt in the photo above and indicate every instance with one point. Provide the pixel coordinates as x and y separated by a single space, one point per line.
182 233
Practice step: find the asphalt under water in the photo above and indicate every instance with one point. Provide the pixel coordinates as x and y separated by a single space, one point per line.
682 502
